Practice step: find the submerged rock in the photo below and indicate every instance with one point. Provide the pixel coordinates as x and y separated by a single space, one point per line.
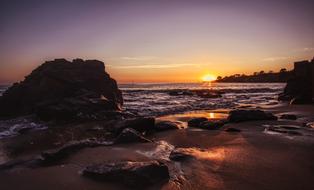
249 115
132 174
166 125
129 135
63 90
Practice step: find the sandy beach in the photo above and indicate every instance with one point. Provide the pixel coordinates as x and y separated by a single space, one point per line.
251 159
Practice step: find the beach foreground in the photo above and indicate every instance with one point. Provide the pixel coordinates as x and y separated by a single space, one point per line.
252 158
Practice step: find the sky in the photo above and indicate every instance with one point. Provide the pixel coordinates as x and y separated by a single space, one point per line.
156 40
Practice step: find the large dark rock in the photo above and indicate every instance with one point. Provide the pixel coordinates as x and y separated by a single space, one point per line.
132 174
61 89
300 88
130 135
249 115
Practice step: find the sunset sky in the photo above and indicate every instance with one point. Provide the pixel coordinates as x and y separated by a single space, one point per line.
156 40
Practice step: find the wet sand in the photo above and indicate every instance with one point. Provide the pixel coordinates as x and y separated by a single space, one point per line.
250 159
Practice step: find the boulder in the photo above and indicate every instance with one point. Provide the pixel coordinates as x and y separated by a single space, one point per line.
63 90
166 125
300 88
195 122
141 124
131 174
249 115
129 135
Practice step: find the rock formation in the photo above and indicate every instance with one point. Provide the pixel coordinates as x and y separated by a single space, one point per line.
63 90
300 88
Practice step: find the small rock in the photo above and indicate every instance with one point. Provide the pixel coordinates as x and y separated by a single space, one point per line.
195 122
249 115
130 135
166 125
132 174
288 116
231 129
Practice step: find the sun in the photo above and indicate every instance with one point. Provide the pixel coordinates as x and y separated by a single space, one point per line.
209 78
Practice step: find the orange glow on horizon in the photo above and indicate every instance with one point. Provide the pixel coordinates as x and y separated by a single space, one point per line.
209 78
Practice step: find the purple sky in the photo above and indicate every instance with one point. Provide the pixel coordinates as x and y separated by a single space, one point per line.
166 40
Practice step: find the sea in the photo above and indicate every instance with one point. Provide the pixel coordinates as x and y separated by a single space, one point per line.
155 99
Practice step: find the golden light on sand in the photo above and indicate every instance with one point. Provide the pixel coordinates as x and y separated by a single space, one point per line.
209 78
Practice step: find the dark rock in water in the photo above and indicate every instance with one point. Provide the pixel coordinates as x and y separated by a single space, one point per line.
142 124
211 125
166 125
300 88
132 174
288 116
232 130
63 90
300 100
195 122
52 156
179 154
129 135
249 115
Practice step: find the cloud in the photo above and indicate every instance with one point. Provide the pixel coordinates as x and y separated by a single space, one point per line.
153 66
308 49
138 58
272 59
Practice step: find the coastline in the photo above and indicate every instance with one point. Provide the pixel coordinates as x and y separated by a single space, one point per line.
221 160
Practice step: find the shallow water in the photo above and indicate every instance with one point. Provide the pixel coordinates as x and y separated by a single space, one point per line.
154 99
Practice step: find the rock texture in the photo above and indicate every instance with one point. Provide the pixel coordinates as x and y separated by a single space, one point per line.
61 89
300 88
133 174
249 115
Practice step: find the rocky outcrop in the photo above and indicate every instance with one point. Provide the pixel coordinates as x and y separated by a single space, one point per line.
63 90
249 115
300 88
133 174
